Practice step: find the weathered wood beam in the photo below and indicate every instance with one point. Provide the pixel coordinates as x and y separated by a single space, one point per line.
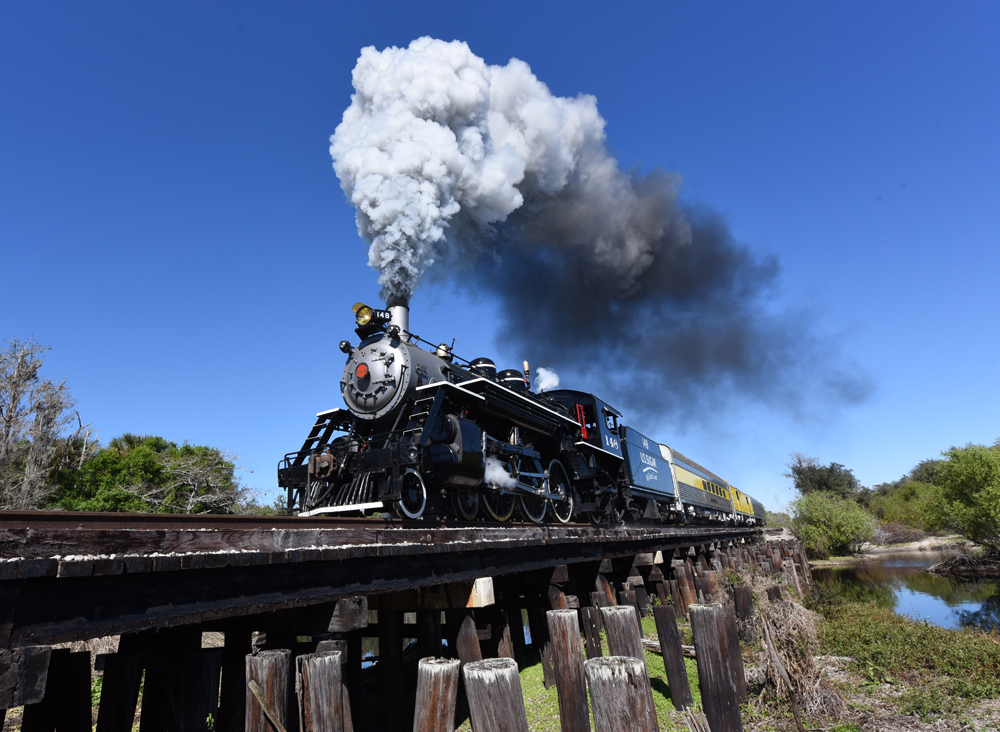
68 600
23 673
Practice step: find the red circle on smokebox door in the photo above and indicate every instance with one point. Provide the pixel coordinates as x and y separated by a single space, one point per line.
362 371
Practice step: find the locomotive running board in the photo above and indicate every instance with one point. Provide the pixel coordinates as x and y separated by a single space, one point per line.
341 509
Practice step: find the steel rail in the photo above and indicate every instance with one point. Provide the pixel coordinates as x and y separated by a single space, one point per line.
70 520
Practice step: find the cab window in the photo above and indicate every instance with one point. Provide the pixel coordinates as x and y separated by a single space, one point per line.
610 421
586 415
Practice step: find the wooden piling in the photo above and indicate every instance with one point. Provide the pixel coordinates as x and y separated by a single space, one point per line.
620 695
592 630
564 632
735 653
467 642
599 599
505 646
320 692
712 578
181 686
352 666
538 626
673 655
163 654
389 668
628 599
429 633
334 645
774 593
488 628
557 598
493 689
452 624
66 704
703 590
602 585
233 694
685 585
623 635
743 597
120 687
716 668
515 622
437 692
269 671
548 669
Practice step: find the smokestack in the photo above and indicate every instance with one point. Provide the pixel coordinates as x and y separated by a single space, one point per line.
401 318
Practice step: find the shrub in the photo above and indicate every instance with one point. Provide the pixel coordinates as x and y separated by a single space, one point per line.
969 501
912 504
886 534
828 525
779 518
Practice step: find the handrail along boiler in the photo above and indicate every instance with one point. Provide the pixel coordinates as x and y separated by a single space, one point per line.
426 436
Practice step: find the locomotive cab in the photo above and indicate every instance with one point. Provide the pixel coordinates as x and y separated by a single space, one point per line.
599 422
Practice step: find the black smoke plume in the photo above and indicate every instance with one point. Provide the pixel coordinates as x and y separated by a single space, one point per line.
476 173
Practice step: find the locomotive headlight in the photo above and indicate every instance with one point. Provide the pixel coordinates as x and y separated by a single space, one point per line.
362 313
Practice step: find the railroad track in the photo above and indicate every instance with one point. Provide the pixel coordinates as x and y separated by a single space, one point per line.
74 520
67 576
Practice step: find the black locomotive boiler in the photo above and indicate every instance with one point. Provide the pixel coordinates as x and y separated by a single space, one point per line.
427 436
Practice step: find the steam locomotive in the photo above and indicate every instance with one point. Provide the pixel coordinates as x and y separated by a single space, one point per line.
426 436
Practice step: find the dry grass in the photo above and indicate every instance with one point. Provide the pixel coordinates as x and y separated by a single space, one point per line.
794 630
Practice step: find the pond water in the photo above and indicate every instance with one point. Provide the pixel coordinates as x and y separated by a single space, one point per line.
898 581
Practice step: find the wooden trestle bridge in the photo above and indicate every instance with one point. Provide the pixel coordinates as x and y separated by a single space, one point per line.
160 582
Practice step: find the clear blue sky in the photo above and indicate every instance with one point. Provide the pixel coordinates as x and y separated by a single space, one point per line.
171 226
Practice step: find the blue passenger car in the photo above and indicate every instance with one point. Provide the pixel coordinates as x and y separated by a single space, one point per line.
648 472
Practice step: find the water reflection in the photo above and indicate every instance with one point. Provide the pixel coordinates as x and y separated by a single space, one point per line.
899 582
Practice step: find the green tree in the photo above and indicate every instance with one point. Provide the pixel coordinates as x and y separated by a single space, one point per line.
828 524
151 474
778 518
923 472
913 504
810 477
969 501
926 471
106 482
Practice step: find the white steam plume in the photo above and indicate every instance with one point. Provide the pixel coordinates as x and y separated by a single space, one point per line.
438 147
547 379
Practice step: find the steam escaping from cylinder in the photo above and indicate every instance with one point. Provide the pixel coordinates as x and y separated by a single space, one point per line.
496 474
477 173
